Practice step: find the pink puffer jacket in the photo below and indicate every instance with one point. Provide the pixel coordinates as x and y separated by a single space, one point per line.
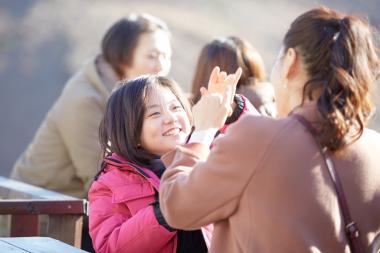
121 218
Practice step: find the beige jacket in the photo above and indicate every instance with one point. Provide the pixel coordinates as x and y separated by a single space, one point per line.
65 153
265 187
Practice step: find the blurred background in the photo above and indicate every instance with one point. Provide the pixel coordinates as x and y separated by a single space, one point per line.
42 43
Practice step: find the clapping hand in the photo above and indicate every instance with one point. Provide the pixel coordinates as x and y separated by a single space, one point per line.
214 107
219 81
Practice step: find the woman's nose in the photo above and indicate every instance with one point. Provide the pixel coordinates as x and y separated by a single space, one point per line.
169 117
159 65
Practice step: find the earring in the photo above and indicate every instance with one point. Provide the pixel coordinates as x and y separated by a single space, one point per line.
285 85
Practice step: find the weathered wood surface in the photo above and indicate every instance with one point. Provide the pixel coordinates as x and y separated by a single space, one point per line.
35 211
35 245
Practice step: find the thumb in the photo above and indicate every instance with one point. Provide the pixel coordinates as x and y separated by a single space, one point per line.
238 73
203 91
214 75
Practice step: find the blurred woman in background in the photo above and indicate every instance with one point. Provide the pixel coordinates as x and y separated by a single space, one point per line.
65 153
229 53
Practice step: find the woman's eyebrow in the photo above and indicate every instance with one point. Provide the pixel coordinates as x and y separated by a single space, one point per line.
157 105
152 106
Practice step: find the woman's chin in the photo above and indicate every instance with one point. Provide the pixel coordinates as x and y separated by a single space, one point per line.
178 138
179 141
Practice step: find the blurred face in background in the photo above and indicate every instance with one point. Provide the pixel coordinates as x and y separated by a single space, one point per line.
152 55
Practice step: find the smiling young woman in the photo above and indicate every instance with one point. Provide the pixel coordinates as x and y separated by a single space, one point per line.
145 118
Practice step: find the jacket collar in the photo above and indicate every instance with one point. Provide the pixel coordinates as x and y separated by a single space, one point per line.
121 162
106 73
101 75
310 112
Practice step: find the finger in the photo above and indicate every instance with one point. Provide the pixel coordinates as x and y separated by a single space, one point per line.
233 79
223 75
238 73
231 82
203 91
227 95
214 75
227 100
230 79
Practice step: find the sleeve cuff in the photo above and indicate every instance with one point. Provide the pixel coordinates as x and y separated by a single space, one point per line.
240 104
160 217
205 137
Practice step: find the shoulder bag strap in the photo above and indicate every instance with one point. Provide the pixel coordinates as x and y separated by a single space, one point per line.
351 229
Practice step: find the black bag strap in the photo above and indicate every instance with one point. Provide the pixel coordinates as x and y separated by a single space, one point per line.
351 229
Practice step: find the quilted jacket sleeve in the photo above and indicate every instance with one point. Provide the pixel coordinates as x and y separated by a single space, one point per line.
114 229
243 107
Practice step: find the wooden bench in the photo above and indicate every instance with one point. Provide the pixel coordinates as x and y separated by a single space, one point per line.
35 245
35 211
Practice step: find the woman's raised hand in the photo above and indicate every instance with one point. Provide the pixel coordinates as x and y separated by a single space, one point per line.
212 110
215 105
219 81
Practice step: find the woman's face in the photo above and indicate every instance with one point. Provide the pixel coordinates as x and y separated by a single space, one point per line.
152 55
288 77
166 123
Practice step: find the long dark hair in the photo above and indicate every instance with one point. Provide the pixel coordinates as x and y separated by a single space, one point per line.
121 39
228 53
121 127
342 63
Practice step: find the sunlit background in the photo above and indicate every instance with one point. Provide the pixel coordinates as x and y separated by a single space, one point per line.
42 43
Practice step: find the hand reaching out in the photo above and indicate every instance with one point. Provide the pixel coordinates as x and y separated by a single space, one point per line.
215 105
219 81
212 110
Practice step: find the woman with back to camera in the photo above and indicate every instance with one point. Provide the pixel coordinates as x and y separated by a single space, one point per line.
229 53
276 181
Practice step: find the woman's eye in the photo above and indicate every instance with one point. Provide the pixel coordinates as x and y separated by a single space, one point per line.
152 56
153 114
177 107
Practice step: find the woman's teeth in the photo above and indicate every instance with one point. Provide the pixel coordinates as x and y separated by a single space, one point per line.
173 131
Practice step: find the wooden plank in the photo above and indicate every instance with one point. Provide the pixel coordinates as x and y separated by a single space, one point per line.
40 244
5 225
23 190
64 214
60 224
42 206
25 225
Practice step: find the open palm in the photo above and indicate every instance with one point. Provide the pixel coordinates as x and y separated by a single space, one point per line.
219 80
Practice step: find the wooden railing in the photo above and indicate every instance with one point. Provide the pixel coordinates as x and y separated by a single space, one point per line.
35 211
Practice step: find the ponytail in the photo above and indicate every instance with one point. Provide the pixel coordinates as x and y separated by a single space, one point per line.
342 63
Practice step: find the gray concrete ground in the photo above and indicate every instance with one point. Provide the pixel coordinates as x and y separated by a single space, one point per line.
42 43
